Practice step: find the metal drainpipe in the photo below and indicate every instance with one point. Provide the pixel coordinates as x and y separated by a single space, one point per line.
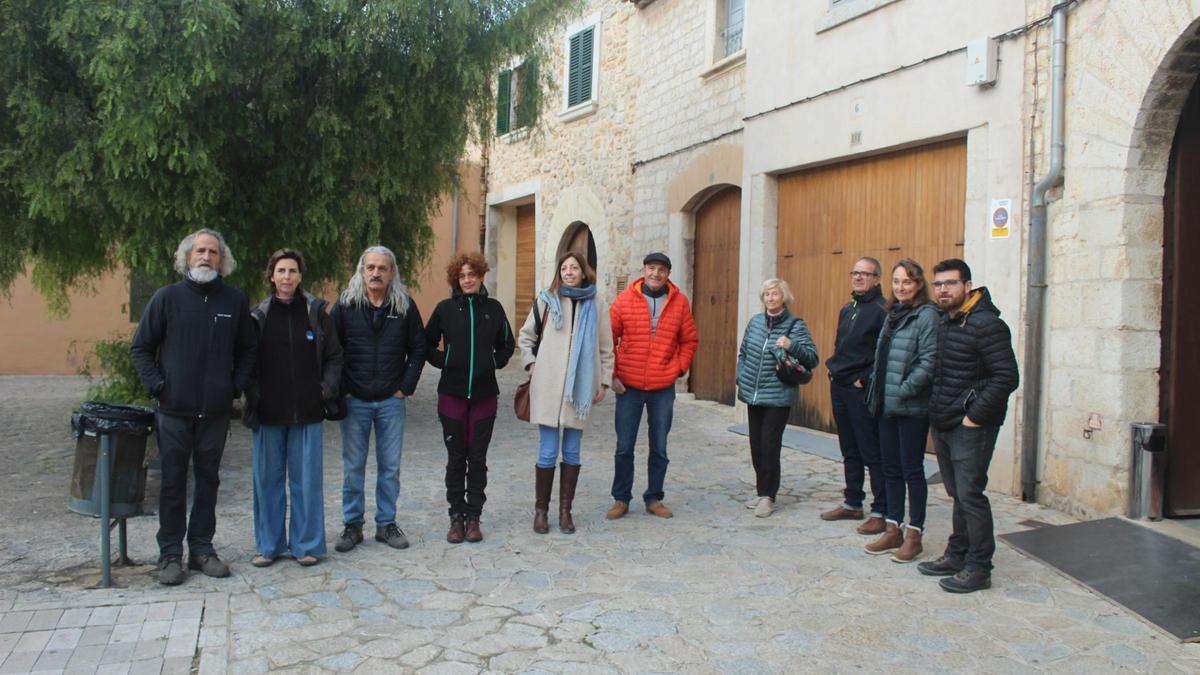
1036 285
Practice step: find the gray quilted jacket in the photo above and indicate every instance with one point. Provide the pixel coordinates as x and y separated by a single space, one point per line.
905 390
756 380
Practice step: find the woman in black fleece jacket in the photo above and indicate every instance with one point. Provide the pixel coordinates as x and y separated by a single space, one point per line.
476 341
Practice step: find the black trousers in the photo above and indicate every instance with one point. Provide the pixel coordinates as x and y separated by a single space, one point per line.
767 424
858 437
200 442
466 464
964 454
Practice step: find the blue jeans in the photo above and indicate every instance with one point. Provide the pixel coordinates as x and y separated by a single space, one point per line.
660 408
902 444
858 437
388 418
549 444
293 452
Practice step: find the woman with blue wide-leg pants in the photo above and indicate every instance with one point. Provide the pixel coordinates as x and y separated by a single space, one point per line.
296 378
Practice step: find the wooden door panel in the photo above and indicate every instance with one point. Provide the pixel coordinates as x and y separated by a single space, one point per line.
1181 314
903 204
526 263
715 296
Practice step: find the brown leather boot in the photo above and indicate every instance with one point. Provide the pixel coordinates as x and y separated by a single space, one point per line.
471 530
566 495
911 548
541 507
892 538
455 535
874 525
842 513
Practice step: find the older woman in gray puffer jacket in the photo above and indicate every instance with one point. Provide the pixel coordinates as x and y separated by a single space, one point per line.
898 395
767 399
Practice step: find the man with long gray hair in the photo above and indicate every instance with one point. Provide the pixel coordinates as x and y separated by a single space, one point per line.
194 351
383 347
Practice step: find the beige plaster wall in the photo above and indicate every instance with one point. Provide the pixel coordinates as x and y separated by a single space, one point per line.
34 343
818 95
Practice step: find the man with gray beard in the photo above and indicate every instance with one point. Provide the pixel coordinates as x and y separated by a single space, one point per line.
194 352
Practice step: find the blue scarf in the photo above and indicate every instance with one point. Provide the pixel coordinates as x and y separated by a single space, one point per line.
581 364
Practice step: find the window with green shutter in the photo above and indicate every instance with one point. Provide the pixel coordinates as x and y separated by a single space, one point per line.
579 66
503 101
516 101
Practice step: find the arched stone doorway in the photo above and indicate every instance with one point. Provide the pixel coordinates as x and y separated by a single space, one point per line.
578 237
715 295
1180 371
1165 150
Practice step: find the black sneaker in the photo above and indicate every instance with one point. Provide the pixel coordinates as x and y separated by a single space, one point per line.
967 581
942 567
208 564
170 571
391 535
351 537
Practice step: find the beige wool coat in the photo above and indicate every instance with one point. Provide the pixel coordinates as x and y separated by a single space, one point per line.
547 392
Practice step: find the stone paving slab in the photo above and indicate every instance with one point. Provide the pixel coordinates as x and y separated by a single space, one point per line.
136 636
713 590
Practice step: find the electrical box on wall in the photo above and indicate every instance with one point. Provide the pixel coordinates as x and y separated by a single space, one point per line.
982 58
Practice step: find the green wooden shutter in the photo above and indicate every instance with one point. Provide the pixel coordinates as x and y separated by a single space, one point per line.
579 68
527 81
503 98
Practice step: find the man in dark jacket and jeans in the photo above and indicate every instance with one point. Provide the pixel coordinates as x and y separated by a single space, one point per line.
194 352
859 324
383 351
976 372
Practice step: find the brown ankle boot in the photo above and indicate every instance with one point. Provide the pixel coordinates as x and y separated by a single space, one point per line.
566 495
471 531
874 525
892 538
541 507
911 548
455 535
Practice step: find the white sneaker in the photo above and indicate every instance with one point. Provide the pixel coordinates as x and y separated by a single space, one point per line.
752 503
765 507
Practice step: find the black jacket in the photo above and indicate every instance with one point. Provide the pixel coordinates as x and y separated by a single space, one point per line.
859 324
976 369
477 341
379 356
325 370
194 347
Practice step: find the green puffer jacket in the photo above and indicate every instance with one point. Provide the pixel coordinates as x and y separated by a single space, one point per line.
905 390
756 380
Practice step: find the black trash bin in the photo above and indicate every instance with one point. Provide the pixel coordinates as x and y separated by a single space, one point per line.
129 426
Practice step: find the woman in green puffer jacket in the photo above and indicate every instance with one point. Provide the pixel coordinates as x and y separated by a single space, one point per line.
767 399
898 396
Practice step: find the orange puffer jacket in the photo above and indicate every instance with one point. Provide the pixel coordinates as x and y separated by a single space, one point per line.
648 359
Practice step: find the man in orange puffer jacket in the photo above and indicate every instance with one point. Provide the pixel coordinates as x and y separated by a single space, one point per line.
655 338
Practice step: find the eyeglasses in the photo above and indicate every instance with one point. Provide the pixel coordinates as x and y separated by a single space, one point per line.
949 283
857 274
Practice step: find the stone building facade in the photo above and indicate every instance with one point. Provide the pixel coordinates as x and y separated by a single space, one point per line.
893 128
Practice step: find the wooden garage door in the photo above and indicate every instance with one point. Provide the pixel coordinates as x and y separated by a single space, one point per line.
907 204
526 265
715 296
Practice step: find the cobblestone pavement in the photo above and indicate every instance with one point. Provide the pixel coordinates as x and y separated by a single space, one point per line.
712 590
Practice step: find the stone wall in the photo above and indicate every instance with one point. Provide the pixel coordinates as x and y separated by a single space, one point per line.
1130 67
576 169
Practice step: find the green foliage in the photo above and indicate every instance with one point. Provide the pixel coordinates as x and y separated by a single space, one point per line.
110 373
324 125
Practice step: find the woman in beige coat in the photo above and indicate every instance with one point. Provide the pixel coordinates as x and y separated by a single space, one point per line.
570 365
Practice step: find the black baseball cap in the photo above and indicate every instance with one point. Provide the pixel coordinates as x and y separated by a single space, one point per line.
656 257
